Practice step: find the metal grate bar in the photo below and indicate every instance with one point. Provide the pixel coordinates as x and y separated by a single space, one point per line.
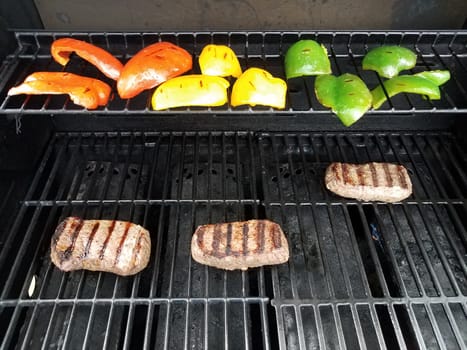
366 292
29 194
434 324
403 241
384 247
17 259
383 250
366 226
158 237
338 324
30 275
454 326
377 325
447 151
362 274
358 326
282 216
414 228
416 142
438 248
126 300
416 276
460 86
253 148
397 326
72 314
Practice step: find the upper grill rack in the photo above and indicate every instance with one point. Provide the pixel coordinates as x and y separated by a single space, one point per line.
435 50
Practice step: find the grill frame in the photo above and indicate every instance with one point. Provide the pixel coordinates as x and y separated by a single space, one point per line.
268 164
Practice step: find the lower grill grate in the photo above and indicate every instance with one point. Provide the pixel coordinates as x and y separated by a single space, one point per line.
368 275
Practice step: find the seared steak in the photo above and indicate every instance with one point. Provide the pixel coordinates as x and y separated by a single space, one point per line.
384 182
120 247
240 245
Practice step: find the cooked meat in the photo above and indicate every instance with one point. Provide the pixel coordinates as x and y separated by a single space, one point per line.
240 245
120 247
384 182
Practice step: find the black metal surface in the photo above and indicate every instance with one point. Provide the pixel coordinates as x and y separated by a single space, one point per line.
368 275
435 50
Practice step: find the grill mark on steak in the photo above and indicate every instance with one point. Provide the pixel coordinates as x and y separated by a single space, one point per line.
276 237
245 230
76 226
201 231
361 179
260 241
402 179
336 172
216 240
228 247
59 231
90 238
136 249
387 173
122 242
374 176
345 174
104 245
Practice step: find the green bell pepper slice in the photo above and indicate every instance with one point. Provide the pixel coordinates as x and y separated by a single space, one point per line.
423 83
347 96
388 61
306 57
438 77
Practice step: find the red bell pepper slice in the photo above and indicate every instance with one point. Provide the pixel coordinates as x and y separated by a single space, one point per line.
61 50
152 66
87 92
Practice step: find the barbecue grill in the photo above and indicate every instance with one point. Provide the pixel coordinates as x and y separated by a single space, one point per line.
360 275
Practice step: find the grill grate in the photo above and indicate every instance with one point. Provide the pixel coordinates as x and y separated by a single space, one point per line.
368 275
436 50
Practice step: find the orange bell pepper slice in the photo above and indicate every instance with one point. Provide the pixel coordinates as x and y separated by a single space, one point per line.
61 50
152 66
87 92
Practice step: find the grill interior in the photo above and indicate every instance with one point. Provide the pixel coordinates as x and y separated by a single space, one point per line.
360 275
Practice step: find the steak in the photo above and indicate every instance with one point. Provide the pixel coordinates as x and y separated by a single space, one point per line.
384 182
120 247
240 245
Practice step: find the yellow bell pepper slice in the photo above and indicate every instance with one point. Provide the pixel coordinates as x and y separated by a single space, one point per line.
219 60
258 87
191 90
